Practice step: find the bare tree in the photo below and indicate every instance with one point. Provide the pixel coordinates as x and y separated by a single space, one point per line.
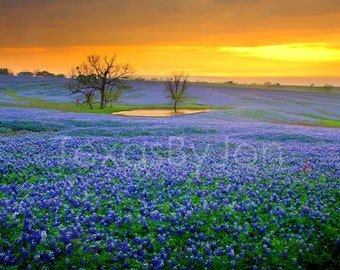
85 85
100 75
176 86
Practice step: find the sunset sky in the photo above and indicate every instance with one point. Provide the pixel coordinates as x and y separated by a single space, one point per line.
229 38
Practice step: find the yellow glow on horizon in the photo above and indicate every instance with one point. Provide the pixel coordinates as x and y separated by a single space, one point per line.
300 52
303 59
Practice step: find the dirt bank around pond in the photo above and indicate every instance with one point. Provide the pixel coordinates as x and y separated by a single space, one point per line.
158 112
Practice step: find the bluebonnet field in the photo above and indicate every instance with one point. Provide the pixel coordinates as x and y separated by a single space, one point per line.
187 192
49 89
213 190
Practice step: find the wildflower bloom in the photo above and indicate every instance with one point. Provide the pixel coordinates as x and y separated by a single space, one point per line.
191 191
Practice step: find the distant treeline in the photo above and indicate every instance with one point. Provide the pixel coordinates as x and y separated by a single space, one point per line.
37 73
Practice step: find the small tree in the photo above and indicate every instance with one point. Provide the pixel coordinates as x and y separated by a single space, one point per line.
100 75
176 86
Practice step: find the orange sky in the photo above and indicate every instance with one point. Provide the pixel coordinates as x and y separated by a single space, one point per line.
202 37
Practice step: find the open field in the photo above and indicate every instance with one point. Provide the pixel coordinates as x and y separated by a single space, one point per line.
237 103
253 184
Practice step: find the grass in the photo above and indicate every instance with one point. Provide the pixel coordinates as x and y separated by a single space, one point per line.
260 115
26 102
329 122
324 121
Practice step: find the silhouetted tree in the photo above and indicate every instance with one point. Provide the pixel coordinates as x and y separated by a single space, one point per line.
85 85
176 86
6 71
25 73
100 75
44 73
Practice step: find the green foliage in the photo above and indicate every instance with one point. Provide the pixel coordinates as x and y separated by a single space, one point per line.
112 96
30 175
324 121
330 123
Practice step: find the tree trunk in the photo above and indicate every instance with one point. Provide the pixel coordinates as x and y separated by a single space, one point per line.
102 99
89 100
175 106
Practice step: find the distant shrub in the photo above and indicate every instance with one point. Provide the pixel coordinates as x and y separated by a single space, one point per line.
138 78
25 74
328 87
44 73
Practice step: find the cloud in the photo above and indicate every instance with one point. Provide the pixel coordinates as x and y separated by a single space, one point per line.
39 23
24 3
23 50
